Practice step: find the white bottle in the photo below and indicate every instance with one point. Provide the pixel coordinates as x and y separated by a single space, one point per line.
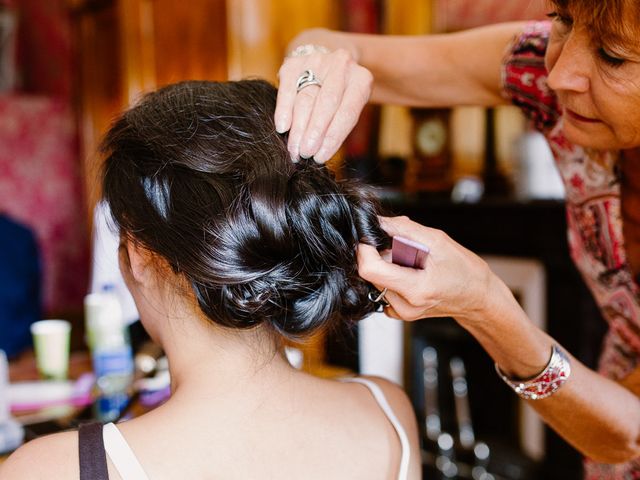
4 388
108 340
11 432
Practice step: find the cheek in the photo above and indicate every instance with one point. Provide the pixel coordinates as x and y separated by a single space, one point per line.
619 104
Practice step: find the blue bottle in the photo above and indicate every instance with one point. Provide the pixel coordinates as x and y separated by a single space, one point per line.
111 353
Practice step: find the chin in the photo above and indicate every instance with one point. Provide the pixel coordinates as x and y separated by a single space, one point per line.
590 139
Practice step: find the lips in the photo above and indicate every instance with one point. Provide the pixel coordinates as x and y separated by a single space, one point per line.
579 117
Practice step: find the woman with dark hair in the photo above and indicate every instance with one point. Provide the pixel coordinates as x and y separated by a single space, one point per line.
228 248
576 77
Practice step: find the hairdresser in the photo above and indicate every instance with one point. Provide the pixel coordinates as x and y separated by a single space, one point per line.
576 77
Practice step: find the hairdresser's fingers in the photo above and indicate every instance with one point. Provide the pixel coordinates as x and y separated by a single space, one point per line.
293 108
286 96
395 300
356 95
390 312
455 282
327 103
305 100
338 77
413 293
373 268
400 308
404 227
329 71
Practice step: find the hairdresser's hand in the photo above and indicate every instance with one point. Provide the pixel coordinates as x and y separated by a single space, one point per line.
455 282
319 118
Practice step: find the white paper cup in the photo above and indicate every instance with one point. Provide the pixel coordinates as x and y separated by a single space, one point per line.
51 343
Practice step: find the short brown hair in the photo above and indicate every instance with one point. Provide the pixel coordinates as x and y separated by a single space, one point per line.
606 19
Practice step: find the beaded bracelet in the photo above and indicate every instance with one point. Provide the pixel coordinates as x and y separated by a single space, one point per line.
547 382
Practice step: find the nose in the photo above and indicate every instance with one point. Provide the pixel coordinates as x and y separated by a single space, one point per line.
569 70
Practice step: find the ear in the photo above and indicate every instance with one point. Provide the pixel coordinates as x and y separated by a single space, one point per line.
139 260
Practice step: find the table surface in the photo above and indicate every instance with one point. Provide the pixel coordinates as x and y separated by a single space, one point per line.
24 369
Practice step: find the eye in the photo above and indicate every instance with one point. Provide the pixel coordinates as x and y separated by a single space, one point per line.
610 59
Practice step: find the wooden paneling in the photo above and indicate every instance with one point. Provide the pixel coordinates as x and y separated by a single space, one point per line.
259 31
164 41
137 50
128 47
190 40
100 89
408 17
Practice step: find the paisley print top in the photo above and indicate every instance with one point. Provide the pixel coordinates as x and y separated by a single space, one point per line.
593 215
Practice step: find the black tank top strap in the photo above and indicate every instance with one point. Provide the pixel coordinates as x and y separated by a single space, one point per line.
93 459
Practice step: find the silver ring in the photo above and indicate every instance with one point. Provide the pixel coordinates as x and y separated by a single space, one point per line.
307 79
379 299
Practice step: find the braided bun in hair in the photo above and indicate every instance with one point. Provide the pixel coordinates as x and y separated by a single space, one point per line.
197 174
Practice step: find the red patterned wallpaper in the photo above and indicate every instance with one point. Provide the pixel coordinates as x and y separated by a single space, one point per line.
40 187
40 174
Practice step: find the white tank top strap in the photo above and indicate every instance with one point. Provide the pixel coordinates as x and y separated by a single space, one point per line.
121 454
378 395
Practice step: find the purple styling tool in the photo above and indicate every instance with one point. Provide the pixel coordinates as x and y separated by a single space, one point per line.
408 253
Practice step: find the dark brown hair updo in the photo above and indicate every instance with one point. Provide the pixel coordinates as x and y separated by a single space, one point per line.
197 174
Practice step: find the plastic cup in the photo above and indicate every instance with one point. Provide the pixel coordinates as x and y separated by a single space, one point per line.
51 342
103 320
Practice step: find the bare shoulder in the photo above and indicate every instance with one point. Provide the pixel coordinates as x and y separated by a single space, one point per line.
53 456
403 409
